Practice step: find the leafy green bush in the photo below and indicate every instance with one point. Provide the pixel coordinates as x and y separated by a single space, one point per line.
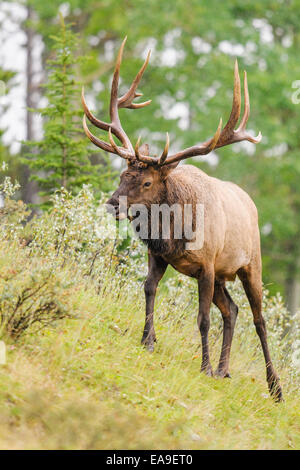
71 245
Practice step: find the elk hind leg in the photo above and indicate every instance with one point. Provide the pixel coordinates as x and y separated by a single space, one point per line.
205 290
251 279
229 311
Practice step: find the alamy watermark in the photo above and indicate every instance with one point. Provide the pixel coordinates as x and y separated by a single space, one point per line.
160 221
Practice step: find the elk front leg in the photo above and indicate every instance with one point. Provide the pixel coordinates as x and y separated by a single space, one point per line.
229 311
205 290
156 269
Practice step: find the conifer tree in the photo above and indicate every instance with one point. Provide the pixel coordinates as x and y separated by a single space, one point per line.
61 158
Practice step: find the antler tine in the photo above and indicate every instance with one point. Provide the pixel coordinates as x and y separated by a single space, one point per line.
103 145
242 127
126 100
98 142
112 142
113 108
235 110
246 103
97 122
215 139
117 149
136 149
152 160
143 158
164 155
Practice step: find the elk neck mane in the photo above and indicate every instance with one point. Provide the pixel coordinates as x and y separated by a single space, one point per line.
179 189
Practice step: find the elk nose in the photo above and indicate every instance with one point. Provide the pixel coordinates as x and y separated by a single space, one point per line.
117 208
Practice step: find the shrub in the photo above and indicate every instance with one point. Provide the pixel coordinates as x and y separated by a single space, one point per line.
29 297
66 247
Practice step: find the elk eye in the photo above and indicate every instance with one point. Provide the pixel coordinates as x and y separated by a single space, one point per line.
147 184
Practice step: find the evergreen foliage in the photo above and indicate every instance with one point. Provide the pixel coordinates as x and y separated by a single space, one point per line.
61 158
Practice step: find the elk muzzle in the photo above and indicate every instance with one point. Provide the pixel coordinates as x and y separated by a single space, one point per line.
117 206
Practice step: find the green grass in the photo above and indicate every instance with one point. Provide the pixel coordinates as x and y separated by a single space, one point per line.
88 384
85 382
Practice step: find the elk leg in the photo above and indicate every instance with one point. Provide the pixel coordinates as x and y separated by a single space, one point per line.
229 311
251 279
206 291
156 269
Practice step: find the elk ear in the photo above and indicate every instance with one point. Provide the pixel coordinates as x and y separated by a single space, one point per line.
166 170
144 149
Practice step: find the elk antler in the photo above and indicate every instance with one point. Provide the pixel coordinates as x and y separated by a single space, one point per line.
228 135
221 138
126 101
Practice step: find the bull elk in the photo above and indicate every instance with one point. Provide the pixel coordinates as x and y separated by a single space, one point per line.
231 234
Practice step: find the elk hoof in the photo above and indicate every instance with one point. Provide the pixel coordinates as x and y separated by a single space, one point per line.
222 375
148 344
150 347
207 371
275 390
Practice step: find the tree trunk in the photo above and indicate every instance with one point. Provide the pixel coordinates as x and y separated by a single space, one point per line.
29 191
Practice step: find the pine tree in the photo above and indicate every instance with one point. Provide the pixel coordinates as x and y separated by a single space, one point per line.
61 158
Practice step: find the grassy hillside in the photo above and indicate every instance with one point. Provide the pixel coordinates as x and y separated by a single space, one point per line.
79 379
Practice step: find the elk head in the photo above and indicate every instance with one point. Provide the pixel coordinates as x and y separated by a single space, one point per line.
143 182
